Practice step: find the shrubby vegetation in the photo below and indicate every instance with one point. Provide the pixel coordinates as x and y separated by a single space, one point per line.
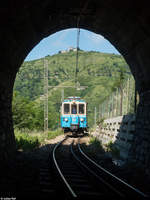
113 149
96 145
101 72
27 141
29 114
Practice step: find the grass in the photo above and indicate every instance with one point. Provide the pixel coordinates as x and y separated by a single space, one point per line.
53 134
94 141
95 145
28 141
113 150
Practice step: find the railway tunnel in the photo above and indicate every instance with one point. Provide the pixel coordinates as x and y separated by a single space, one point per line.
126 24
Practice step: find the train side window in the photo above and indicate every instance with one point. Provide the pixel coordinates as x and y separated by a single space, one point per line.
81 108
66 109
73 109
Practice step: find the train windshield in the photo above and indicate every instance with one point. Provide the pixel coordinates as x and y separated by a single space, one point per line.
66 109
73 109
81 108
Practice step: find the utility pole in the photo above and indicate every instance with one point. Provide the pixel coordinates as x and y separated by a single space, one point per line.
95 116
77 57
62 95
121 98
100 111
45 95
46 86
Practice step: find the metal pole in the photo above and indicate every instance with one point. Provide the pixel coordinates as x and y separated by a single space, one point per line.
62 95
45 95
95 116
121 98
100 114
77 56
113 104
109 107
104 110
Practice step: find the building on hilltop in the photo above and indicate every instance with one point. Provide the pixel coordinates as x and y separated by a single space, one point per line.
68 50
72 49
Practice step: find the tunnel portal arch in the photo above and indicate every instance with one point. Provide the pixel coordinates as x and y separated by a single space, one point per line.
125 24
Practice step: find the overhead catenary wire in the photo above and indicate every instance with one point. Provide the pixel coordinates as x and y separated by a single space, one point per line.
77 57
84 6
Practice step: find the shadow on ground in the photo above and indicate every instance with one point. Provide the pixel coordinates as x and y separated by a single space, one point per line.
21 177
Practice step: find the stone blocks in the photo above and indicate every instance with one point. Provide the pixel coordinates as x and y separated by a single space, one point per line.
120 131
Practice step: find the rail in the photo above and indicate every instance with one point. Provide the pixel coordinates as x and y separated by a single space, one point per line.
101 180
112 175
58 169
107 184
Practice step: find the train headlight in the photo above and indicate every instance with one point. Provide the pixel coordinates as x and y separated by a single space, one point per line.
81 119
66 119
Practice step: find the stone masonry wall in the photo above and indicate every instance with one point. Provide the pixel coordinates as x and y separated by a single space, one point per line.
119 130
140 150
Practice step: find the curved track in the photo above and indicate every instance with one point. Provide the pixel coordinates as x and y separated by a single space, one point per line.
73 194
83 177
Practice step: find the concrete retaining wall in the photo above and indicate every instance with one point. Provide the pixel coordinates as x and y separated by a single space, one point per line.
119 130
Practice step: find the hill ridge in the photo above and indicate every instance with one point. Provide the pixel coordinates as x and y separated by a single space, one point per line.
101 72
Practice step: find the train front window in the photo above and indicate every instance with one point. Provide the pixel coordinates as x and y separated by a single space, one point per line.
81 108
66 109
73 109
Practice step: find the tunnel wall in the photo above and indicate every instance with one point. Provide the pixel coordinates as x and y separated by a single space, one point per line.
140 150
7 138
126 24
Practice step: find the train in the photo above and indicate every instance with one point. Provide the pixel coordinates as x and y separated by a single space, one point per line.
74 115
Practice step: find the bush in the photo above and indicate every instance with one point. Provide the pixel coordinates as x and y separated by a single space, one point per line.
112 149
29 141
26 142
96 145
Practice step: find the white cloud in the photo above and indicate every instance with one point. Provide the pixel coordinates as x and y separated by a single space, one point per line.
62 39
59 41
93 37
97 39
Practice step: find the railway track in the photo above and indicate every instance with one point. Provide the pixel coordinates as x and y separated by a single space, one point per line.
81 177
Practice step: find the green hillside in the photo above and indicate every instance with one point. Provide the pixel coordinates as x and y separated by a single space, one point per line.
101 72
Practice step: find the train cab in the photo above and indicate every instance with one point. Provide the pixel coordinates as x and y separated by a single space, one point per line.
73 115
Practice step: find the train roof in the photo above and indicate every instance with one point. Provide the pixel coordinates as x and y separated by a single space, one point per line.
70 99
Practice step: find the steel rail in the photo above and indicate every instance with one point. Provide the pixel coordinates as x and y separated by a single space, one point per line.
58 169
112 175
95 175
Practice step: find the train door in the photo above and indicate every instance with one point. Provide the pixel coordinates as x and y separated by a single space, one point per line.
73 108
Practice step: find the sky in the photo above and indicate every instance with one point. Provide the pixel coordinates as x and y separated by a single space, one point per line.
88 41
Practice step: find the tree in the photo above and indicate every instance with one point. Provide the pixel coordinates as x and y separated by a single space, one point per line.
23 112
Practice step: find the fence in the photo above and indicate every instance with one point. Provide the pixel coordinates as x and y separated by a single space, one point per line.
121 102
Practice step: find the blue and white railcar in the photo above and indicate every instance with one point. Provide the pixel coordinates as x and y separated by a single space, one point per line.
74 115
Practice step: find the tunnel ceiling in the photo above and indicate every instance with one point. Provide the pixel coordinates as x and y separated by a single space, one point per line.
124 23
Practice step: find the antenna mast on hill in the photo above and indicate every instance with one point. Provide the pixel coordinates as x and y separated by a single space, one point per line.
45 95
